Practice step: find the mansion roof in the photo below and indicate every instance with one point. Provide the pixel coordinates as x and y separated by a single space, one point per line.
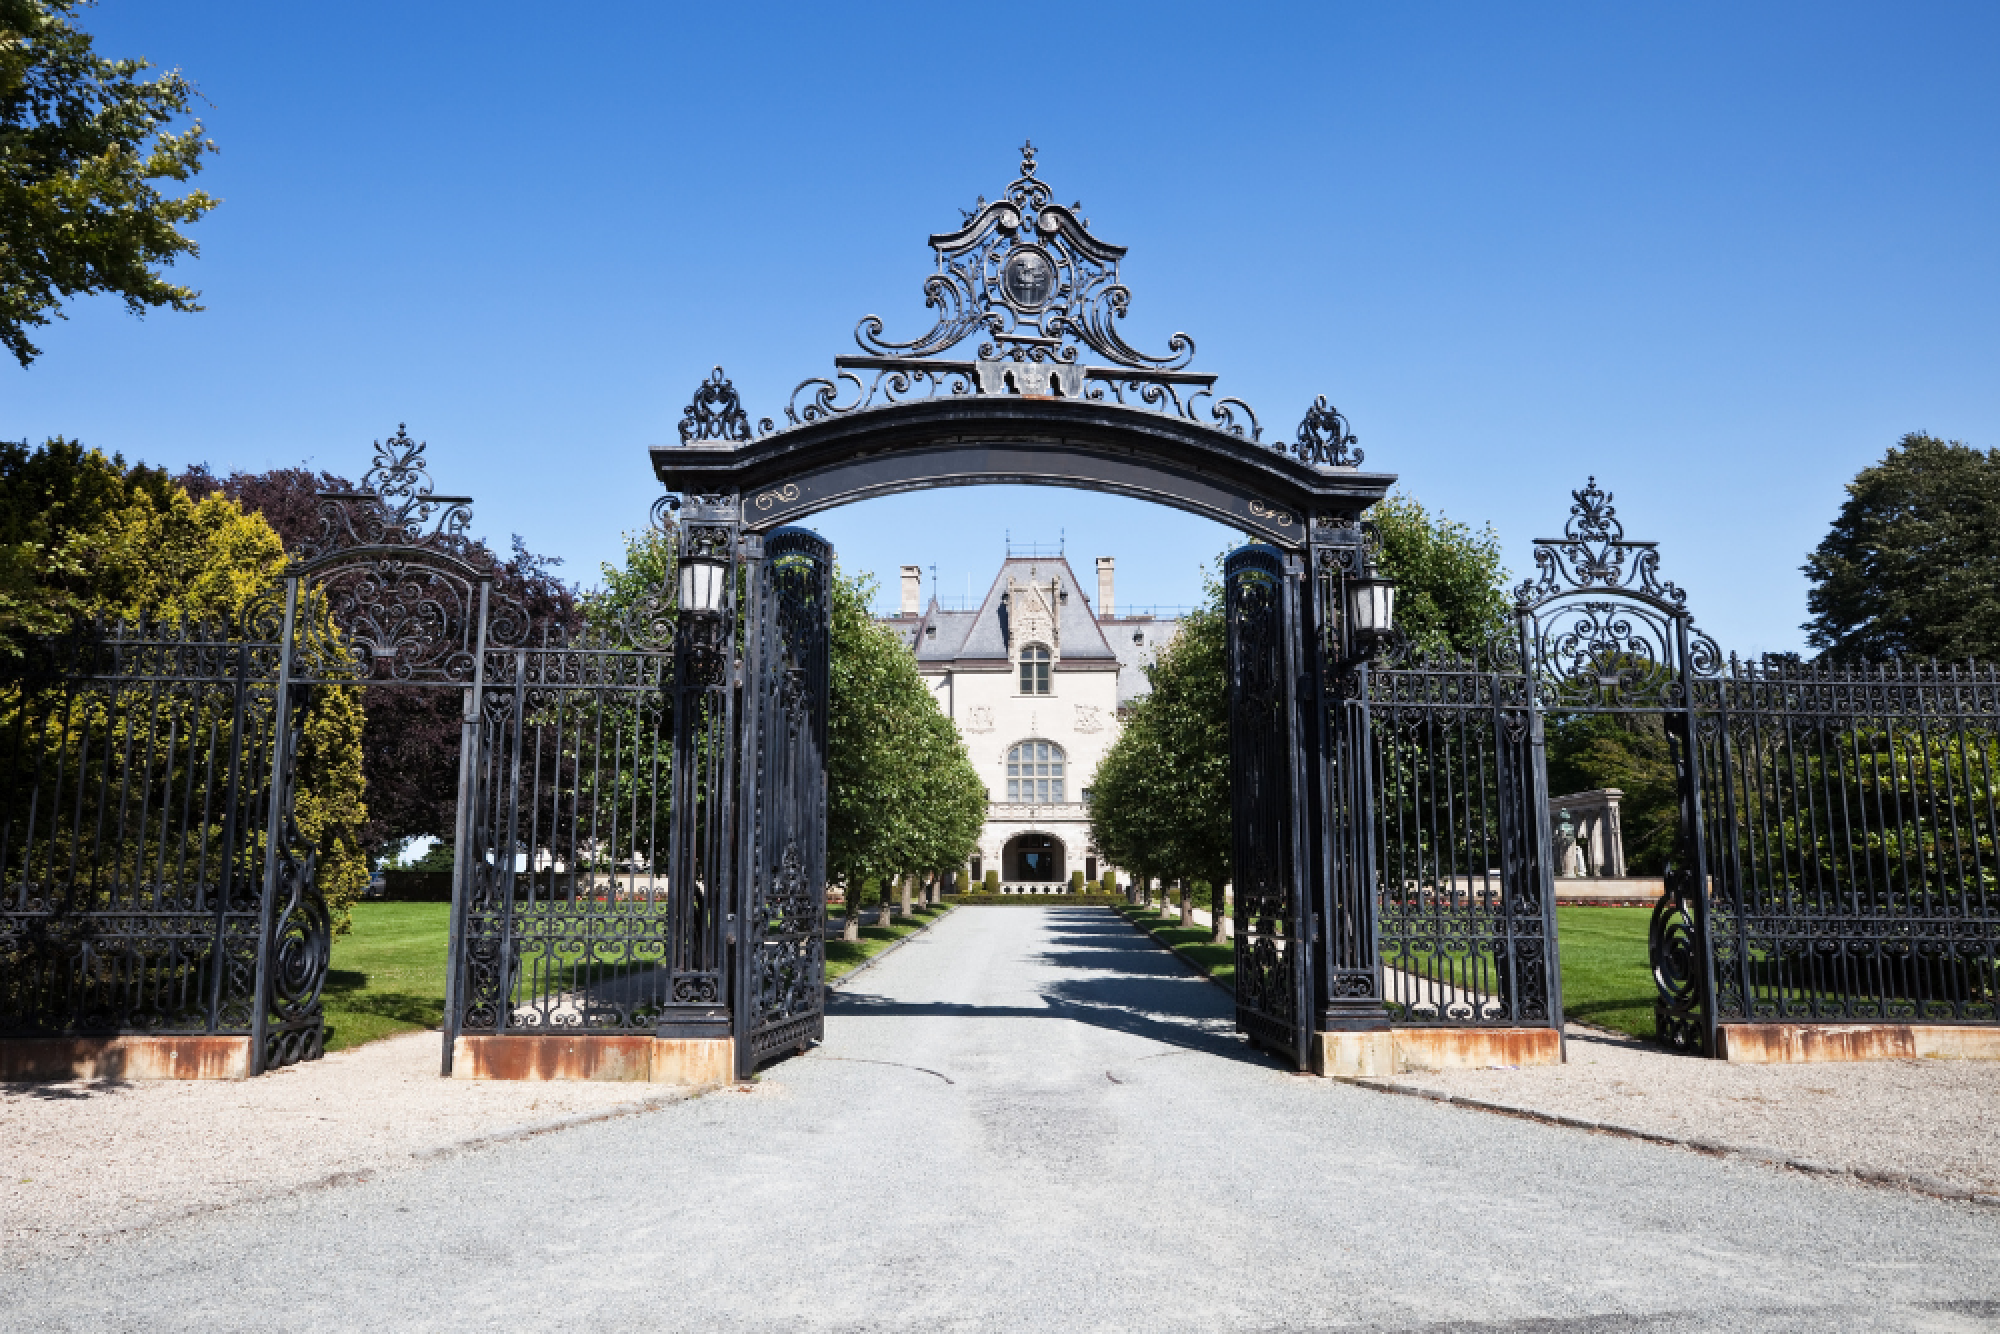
945 640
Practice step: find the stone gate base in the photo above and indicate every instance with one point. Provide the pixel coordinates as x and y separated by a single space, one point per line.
1357 1055
690 1063
153 1056
1787 1044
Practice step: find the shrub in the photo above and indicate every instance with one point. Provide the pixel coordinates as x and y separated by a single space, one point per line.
992 882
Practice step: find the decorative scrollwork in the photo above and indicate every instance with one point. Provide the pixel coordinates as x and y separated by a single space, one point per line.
1324 438
395 507
1673 945
1593 552
717 413
1027 271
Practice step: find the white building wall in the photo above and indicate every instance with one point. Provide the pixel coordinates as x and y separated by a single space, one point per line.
1079 714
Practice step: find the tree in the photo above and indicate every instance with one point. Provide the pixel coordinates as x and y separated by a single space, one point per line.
410 740
83 142
1451 587
902 795
135 545
1160 800
1908 568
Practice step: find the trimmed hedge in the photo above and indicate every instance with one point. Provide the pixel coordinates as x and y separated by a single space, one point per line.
1039 900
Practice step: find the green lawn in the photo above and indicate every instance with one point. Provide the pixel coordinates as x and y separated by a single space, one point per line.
1607 980
387 974
1191 943
844 956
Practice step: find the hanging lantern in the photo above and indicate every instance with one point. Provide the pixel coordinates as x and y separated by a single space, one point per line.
704 582
1371 605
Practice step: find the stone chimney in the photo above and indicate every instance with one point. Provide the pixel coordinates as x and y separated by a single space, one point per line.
1104 605
913 589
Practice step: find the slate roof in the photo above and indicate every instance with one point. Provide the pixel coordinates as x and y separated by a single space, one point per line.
969 639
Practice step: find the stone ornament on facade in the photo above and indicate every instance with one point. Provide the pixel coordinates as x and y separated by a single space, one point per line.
979 718
1089 718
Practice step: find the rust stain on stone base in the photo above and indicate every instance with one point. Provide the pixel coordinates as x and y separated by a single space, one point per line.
1476 1048
1788 1044
131 1057
544 1056
1372 1055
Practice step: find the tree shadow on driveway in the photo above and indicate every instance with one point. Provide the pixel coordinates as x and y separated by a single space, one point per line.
1138 988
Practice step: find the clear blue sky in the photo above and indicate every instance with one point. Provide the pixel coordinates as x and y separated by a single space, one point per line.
1721 255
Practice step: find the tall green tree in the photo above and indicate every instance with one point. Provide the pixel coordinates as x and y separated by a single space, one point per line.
130 543
85 142
1451 584
1908 568
1159 801
902 795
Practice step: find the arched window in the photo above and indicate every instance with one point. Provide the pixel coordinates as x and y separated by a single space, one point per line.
1035 772
1034 670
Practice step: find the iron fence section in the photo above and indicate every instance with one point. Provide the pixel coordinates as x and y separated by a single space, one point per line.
146 777
1851 823
1464 917
568 918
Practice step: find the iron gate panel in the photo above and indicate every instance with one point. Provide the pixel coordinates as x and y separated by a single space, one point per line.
1853 827
136 800
568 921
1464 909
781 947
1268 861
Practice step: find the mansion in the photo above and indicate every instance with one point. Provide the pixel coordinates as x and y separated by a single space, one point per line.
1036 679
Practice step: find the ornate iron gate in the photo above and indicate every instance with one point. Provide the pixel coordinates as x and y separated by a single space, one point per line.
1602 634
1270 857
144 843
1465 911
780 994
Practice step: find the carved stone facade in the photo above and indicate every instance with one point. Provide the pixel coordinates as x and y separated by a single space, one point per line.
1036 727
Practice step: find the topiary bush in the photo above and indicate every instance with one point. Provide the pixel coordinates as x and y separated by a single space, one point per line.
992 882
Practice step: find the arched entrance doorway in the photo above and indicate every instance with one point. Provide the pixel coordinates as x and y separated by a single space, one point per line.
1033 859
1053 395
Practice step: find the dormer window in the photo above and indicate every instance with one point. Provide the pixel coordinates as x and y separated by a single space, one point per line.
930 632
1034 670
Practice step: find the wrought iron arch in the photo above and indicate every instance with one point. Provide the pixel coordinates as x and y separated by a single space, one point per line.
1053 395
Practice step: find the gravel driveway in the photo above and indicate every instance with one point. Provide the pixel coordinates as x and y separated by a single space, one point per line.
1038 1120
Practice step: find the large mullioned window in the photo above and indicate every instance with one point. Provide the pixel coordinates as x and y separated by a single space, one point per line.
1035 772
1034 670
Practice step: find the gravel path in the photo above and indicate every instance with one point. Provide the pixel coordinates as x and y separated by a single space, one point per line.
1931 1119
81 1161
1038 1120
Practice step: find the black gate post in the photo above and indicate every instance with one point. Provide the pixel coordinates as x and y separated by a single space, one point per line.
1350 991
701 879
1534 966
1698 884
751 779
277 822
470 737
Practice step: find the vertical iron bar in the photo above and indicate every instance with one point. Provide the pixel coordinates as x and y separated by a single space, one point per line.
462 840
278 796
